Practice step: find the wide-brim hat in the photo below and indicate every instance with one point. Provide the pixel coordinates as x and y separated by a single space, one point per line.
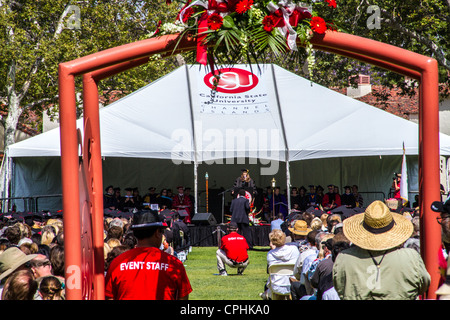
378 228
11 259
300 228
147 219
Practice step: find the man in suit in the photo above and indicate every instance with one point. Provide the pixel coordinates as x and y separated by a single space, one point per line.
239 209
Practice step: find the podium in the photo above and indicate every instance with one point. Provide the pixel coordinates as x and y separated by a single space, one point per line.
249 192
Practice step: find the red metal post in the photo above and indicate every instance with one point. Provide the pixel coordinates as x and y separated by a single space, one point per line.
70 185
93 164
429 188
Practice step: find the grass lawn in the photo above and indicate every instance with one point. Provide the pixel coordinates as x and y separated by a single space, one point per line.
201 267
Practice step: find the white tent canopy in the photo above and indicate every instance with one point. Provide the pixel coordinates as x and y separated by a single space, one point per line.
306 119
258 112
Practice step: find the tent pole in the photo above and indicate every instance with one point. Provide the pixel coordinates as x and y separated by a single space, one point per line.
288 184
195 186
286 147
188 81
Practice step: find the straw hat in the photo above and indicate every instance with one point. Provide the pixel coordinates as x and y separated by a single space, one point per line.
300 228
377 228
11 259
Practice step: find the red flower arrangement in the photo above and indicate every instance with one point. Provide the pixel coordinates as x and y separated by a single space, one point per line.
268 23
318 25
331 3
215 21
243 6
187 14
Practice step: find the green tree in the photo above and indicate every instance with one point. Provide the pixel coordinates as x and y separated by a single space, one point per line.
38 35
418 26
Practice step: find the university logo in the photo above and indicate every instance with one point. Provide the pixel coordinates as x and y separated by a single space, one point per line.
232 80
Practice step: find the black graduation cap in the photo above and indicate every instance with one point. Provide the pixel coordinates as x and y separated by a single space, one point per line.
109 213
310 209
124 214
359 209
58 214
166 213
443 208
183 213
38 216
18 216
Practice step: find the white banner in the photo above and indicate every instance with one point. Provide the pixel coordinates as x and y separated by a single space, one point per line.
239 91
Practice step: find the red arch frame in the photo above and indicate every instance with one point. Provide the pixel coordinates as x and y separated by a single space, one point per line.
84 270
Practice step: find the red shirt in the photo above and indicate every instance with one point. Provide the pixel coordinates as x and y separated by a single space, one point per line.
235 247
146 273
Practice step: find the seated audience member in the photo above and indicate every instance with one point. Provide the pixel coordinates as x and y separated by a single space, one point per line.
279 253
109 200
11 260
347 198
331 199
232 251
298 288
316 224
332 220
21 285
276 224
358 197
298 234
181 233
128 201
393 272
322 278
163 200
51 288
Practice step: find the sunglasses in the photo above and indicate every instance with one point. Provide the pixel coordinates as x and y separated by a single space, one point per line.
440 220
44 263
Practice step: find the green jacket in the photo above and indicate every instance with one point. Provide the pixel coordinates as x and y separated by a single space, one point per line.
401 275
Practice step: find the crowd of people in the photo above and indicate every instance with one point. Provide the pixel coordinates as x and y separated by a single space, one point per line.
32 257
371 255
132 200
32 250
275 201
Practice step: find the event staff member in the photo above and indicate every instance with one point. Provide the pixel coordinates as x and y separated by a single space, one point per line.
146 272
245 182
232 251
182 202
240 209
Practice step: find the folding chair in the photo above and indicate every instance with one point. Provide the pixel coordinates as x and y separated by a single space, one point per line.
281 269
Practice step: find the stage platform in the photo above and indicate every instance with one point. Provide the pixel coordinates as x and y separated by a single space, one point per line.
206 236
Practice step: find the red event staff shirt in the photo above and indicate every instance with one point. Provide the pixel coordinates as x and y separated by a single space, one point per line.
235 247
146 274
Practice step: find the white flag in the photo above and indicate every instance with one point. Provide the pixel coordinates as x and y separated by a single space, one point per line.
404 179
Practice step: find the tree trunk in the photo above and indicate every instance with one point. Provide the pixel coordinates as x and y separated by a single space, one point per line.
10 125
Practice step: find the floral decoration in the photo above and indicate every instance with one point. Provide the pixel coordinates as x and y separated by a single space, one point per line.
227 31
